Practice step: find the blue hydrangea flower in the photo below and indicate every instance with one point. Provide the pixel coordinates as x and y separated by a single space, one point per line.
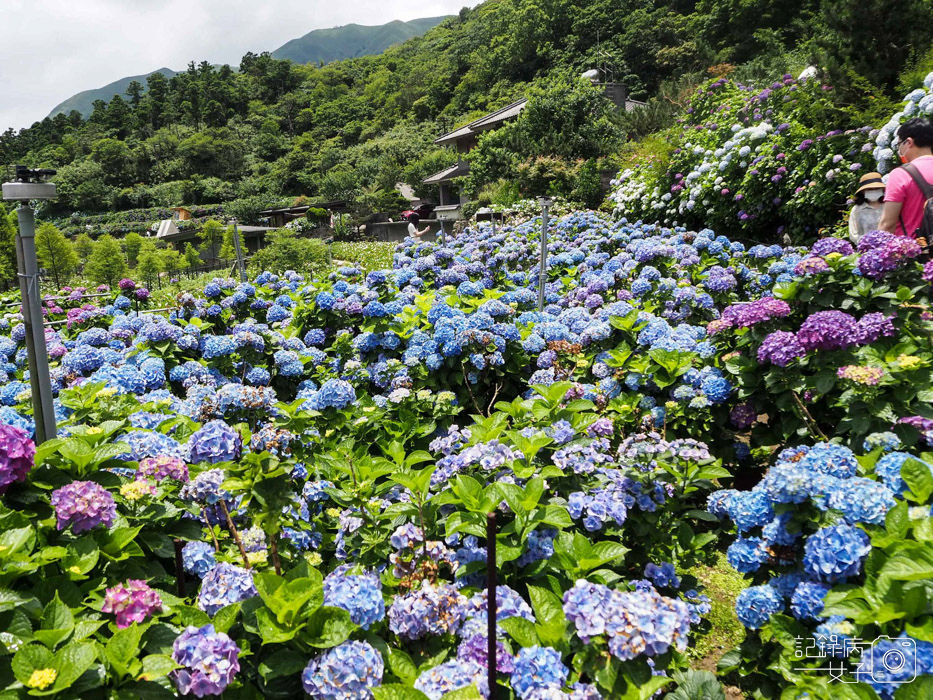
746 555
347 672
358 594
834 460
862 500
537 667
198 558
756 604
225 585
806 603
453 675
835 553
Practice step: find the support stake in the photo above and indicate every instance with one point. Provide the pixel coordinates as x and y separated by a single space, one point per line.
491 602
542 268
239 252
179 569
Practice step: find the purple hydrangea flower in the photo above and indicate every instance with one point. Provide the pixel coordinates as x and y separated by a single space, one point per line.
826 246
828 330
755 312
214 442
162 467
209 659
83 505
17 454
780 348
134 602
432 609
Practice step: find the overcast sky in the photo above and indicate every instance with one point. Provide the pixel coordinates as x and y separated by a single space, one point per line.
52 49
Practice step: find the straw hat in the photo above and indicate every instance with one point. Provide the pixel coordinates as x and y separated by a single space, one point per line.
870 181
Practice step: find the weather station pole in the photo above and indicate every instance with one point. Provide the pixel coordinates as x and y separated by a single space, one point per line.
239 252
28 185
542 269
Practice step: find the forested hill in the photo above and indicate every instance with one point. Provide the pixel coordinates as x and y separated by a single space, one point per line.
83 102
352 40
317 46
352 129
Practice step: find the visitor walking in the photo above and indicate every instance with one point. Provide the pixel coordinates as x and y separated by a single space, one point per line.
904 199
866 212
413 221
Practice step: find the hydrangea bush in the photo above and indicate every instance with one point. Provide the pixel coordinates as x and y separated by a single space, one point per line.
282 486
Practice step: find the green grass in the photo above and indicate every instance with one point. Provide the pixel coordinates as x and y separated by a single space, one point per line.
722 584
370 255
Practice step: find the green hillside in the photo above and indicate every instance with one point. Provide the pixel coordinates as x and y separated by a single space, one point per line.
269 129
83 102
352 40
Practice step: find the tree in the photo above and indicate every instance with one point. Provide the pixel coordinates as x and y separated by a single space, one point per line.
81 187
172 261
115 160
84 246
211 236
135 92
150 262
55 253
132 243
7 246
228 249
107 264
192 258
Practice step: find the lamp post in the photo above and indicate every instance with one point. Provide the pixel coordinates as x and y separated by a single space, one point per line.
545 202
27 186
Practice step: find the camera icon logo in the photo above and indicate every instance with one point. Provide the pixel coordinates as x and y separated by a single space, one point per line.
893 660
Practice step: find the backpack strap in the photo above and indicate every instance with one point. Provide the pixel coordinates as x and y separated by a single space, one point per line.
925 187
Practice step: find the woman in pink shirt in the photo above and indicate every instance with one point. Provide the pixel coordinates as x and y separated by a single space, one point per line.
903 200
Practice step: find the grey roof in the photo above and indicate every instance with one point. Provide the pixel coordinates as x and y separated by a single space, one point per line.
499 116
633 104
457 170
488 121
454 135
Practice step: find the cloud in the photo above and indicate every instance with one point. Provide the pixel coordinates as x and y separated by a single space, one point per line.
52 49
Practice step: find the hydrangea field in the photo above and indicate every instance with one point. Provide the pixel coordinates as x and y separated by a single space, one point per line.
760 161
284 487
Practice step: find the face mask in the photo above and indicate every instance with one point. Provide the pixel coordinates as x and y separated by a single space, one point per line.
900 155
874 195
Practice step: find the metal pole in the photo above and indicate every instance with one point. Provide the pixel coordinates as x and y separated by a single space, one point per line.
239 252
442 231
542 269
39 378
491 603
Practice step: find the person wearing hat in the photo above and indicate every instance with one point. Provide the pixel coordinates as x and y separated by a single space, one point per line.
869 204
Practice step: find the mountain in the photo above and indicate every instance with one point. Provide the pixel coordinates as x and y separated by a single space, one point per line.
325 45
352 40
84 101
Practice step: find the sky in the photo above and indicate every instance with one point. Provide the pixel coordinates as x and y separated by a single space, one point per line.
52 49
